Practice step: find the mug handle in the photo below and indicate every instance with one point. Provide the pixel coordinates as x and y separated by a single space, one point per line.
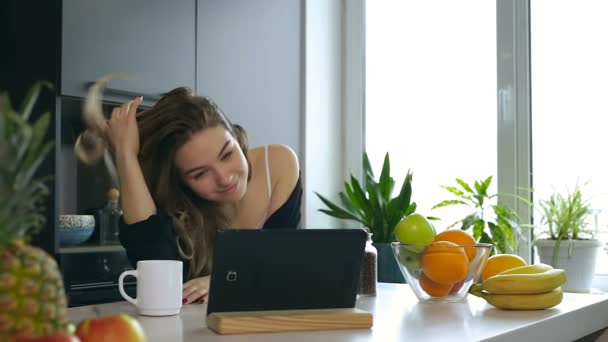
121 285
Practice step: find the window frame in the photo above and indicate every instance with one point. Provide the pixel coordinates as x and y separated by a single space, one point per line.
514 111
512 94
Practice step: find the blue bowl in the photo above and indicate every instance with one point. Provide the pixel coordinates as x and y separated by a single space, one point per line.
75 229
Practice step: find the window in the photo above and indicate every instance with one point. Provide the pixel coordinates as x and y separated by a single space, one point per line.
430 95
569 71
435 95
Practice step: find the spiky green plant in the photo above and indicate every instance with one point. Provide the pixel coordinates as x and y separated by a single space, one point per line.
564 217
23 147
372 204
31 287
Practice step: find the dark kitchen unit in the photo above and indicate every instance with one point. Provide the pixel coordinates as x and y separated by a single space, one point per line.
91 269
70 43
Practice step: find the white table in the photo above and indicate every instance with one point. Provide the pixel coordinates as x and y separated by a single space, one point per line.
398 316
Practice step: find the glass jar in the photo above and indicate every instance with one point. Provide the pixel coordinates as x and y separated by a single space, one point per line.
368 278
109 218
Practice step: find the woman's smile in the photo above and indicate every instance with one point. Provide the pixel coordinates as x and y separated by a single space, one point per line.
230 189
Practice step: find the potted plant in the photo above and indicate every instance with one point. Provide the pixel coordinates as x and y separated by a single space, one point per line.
567 242
373 205
30 275
488 221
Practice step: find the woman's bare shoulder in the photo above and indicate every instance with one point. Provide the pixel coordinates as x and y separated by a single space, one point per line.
284 156
284 170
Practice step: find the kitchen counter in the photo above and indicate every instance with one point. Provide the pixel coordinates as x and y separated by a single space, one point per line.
398 316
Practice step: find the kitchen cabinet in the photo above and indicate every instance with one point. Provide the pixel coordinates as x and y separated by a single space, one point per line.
246 55
90 276
152 41
66 43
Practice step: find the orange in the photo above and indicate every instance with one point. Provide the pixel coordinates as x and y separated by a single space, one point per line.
432 288
444 262
461 238
501 262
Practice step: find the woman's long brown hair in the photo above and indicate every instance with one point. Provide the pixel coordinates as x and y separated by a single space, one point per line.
163 129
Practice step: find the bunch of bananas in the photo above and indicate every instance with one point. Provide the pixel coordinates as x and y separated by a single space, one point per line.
530 287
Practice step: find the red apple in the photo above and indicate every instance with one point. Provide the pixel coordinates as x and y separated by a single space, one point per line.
457 286
111 328
62 337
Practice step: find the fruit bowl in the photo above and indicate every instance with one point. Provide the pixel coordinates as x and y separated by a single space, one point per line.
442 271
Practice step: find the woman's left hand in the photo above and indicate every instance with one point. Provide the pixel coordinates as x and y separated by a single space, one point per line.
196 290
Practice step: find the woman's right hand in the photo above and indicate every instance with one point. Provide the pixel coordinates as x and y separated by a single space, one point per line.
122 131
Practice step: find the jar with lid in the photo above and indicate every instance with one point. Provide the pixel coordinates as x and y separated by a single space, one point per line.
368 278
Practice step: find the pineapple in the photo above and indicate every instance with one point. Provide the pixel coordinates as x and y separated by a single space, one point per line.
32 297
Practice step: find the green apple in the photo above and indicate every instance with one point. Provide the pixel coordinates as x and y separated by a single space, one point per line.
411 256
415 229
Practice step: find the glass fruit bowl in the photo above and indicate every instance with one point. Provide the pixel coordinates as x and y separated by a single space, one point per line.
442 271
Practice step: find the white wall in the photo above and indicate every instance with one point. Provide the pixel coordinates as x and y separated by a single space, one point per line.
353 134
333 120
249 60
323 107
290 71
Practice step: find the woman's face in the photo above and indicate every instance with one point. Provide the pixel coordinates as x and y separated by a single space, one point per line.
213 165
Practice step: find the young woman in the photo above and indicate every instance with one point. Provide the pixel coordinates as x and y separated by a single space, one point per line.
185 172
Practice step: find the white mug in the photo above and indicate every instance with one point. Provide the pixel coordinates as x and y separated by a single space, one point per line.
159 287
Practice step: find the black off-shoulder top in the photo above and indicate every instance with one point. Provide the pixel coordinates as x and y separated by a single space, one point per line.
155 237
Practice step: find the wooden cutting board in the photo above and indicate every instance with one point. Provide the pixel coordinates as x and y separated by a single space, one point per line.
247 322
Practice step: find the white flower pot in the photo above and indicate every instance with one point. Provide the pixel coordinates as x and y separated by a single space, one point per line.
576 257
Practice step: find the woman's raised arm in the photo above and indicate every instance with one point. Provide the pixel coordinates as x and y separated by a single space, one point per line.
123 134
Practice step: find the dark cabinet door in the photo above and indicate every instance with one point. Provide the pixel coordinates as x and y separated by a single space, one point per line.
92 277
153 41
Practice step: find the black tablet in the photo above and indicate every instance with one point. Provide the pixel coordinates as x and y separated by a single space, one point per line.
287 269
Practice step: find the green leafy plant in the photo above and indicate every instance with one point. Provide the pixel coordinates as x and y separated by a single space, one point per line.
565 217
23 147
488 221
372 203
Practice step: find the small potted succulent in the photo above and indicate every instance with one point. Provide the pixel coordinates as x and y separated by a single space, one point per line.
372 204
565 240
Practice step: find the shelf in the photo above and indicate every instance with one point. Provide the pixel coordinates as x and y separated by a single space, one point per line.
91 249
